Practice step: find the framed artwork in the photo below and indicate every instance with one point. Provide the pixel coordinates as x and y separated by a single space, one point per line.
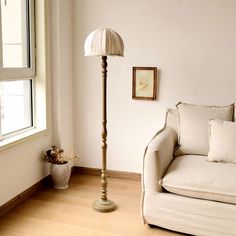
144 83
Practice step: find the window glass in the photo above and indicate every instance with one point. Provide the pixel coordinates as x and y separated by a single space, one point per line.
15 33
16 105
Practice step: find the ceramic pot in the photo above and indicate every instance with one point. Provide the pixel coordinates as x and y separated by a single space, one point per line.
60 175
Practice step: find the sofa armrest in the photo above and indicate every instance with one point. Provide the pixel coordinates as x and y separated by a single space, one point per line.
157 157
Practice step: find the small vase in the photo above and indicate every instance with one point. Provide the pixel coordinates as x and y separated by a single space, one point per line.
60 175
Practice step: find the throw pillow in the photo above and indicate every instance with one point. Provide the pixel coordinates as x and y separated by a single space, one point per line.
193 126
222 141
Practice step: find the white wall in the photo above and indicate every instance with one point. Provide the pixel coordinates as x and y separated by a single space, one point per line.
192 42
21 166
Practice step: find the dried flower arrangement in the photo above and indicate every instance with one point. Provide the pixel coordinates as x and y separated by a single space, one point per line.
55 155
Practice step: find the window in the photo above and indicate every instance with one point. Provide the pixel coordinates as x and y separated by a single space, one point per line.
16 106
17 66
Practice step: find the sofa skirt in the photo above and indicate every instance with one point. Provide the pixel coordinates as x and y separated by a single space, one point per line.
189 215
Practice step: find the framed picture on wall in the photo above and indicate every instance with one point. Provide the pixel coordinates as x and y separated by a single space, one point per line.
144 83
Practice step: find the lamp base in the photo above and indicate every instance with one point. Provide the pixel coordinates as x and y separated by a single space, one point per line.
104 205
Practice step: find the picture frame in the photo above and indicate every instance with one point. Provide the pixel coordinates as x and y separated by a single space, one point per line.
144 84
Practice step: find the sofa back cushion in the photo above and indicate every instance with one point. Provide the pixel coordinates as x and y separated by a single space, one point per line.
222 141
172 119
193 126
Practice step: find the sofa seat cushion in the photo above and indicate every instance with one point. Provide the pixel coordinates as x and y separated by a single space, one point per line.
194 176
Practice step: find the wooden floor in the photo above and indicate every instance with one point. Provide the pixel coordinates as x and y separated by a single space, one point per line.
69 213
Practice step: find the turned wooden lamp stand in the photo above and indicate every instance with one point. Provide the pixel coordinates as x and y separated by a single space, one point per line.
104 42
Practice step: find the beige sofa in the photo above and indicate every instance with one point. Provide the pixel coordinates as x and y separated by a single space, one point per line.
206 209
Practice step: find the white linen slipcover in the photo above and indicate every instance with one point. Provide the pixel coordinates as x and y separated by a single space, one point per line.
194 176
172 211
189 215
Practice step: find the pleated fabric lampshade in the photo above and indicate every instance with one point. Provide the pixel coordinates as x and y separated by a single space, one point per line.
104 42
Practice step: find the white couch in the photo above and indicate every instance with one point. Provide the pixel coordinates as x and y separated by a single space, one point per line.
208 208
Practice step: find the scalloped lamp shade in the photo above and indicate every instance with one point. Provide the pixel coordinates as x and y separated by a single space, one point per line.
104 42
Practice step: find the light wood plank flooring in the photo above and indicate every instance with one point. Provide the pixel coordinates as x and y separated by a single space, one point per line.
69 213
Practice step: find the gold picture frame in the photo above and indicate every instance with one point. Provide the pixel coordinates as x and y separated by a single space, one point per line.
144 83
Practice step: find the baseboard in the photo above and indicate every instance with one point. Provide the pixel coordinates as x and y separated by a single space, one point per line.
110 173
24 195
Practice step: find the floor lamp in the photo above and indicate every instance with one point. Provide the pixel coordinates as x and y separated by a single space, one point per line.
104 42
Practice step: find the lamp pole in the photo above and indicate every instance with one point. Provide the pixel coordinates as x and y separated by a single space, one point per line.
104 205
104 128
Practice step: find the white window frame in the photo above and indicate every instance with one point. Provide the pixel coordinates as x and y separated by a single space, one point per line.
21 73
40 71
